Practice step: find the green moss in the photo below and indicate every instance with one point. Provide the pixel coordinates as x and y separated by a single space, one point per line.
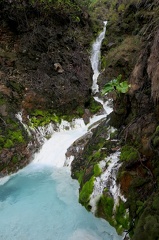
2 100
113 135
97 154
121 7
150 225
157 129
42 118
140 207
39 112
80 111
79 176
2 141
121 217
68 118
12 134
155 204
15 159
103 62
16 136
114 17
94 106
128 153
8 144
107 204
86 191
118 217
97 170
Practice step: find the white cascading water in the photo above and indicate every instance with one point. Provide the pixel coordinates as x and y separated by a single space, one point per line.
41 200
95 56
108 178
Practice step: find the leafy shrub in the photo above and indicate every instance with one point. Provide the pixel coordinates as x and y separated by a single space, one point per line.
116 85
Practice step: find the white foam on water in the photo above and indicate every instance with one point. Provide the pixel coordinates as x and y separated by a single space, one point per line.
3 180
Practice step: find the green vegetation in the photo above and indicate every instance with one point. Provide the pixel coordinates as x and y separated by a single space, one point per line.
118 217
15 159
94 106
42 118
107 204
80 111
97 170
79 176
69 10
121 218
2 100
16 136
8 144
148 220
116 85
96 156
11 135
129 153
86 191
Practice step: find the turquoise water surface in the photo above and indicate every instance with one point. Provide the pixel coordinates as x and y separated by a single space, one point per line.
40 203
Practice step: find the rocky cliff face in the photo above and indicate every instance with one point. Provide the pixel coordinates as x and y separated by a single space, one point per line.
44 69
131 48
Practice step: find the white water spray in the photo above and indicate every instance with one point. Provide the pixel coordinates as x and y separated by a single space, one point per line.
95 58
107 180
53 151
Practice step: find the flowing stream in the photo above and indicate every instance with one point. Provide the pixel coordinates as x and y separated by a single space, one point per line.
40 202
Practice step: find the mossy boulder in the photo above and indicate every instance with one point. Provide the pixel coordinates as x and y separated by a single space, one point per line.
116 215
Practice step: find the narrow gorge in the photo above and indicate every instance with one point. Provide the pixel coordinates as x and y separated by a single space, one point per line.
76 163
41 200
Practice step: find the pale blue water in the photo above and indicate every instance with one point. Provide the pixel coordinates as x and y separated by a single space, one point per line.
39 203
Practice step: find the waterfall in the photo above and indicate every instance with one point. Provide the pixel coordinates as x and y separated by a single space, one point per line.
95 58
41 200
110 165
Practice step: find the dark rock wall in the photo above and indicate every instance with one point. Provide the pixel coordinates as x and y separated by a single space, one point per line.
44 65
131 48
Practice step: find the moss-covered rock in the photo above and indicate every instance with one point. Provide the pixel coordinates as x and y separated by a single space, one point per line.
85 192
147 225
129 154
97 170
117 215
